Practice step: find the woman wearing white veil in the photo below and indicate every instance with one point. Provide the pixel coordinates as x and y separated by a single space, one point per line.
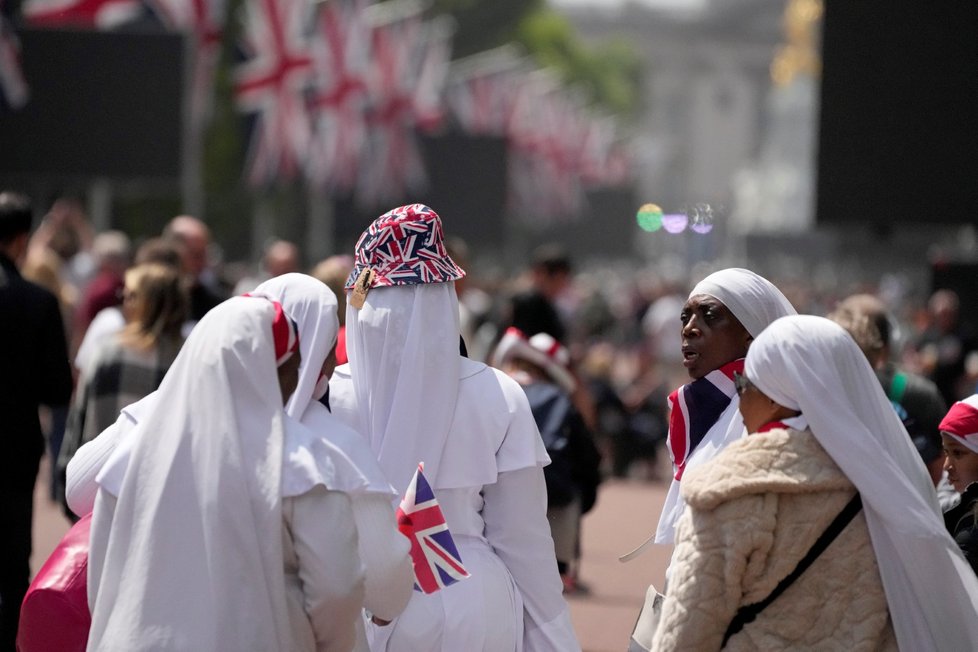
824 432
416 399
388 572
208 533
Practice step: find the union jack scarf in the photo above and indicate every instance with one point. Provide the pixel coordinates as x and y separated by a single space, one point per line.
695 407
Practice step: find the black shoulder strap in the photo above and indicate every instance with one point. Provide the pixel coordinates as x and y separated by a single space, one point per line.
748 613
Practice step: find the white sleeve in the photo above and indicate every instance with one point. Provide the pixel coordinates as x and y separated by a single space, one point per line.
385 554
80 485
515 514
325 541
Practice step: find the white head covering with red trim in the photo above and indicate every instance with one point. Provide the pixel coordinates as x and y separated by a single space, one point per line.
961 422
200 497
313 306
812 365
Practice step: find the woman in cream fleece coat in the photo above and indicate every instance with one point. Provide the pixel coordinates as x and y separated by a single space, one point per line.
822 431
753 514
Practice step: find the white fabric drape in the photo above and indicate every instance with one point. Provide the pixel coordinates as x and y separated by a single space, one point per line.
811 364
313 306
403 347
389 574
194 555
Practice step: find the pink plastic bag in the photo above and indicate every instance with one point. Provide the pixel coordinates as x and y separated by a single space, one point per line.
55 613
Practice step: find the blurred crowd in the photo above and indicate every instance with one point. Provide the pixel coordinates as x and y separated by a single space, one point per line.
598 349
619 322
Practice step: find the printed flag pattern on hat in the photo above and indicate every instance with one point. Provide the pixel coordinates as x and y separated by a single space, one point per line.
405 246
695 407
437 563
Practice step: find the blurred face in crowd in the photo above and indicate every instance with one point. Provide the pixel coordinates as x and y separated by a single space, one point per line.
960 462
712 336
288 376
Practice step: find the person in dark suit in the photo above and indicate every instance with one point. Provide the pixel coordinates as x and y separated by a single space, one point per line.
35 370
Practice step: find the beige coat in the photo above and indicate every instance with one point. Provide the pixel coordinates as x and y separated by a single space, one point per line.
753 513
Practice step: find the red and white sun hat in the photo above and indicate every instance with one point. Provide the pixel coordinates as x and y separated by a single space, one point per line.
961 422
542 350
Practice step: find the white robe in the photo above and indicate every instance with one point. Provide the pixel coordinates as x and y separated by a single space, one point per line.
494 500
216 525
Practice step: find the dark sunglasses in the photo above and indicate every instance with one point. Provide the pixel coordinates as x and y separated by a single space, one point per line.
741 383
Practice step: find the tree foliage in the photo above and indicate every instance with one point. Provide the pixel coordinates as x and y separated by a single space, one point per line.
610 73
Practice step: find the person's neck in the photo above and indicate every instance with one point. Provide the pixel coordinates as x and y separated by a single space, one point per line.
7 257
14 250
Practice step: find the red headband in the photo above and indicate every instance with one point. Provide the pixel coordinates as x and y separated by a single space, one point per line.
285 332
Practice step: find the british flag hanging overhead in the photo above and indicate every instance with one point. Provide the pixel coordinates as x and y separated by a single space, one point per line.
481 90
205 20
391 165
341 59
99 14
436 52
272 83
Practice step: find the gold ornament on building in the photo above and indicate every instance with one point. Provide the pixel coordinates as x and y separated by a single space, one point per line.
799 56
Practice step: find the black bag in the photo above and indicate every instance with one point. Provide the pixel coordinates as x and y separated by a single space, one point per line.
573 471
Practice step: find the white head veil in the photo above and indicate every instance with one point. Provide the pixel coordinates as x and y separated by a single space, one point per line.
403 347
752 299
194 555
313 307
811 364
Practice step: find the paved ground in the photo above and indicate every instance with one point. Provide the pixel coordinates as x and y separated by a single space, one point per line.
624 516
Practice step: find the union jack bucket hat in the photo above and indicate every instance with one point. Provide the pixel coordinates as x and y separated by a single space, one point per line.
404 246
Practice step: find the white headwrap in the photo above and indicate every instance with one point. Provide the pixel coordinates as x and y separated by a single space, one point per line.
752 299
194 557
403 347
811 364
313 307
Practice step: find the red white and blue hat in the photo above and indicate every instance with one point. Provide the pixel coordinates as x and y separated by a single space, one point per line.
961 422
404 246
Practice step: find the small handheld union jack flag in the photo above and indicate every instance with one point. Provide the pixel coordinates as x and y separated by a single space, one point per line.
437 563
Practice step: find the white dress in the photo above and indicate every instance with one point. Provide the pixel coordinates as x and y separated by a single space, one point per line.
491 490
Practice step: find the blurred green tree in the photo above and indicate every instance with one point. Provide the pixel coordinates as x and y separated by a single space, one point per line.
610 72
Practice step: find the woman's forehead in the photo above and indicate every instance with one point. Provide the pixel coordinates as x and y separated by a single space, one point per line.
702 301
